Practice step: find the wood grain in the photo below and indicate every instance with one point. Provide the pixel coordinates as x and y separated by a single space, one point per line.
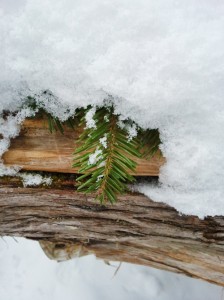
36 149
135 229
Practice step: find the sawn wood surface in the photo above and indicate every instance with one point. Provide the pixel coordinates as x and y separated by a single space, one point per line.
36 149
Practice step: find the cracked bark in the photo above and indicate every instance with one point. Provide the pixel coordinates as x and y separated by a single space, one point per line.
135 229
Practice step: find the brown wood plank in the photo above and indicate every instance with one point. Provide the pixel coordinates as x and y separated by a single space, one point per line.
36 149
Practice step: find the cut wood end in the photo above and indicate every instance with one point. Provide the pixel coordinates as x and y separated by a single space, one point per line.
36 149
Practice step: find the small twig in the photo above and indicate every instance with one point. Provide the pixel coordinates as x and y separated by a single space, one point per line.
118 268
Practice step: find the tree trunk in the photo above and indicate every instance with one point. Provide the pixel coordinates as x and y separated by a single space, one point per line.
135 229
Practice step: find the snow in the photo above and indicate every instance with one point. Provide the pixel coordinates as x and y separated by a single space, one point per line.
90 122
26 273
103 141
132 132
95 157
34 179
9 128
160 61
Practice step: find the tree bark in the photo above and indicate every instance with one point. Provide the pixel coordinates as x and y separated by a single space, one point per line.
135 229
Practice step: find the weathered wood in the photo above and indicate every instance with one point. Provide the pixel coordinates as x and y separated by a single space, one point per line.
36 149
135 229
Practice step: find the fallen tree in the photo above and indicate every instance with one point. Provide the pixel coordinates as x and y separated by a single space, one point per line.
135 229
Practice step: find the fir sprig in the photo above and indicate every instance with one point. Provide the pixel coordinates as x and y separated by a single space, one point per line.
105 156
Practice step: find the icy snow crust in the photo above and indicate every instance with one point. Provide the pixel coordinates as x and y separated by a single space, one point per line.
161 61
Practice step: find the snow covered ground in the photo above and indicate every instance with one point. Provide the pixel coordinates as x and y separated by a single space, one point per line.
26 273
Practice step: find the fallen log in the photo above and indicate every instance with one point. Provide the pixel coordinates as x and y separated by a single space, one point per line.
135 229
68 223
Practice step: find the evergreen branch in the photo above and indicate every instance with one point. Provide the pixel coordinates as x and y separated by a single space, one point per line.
105 156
